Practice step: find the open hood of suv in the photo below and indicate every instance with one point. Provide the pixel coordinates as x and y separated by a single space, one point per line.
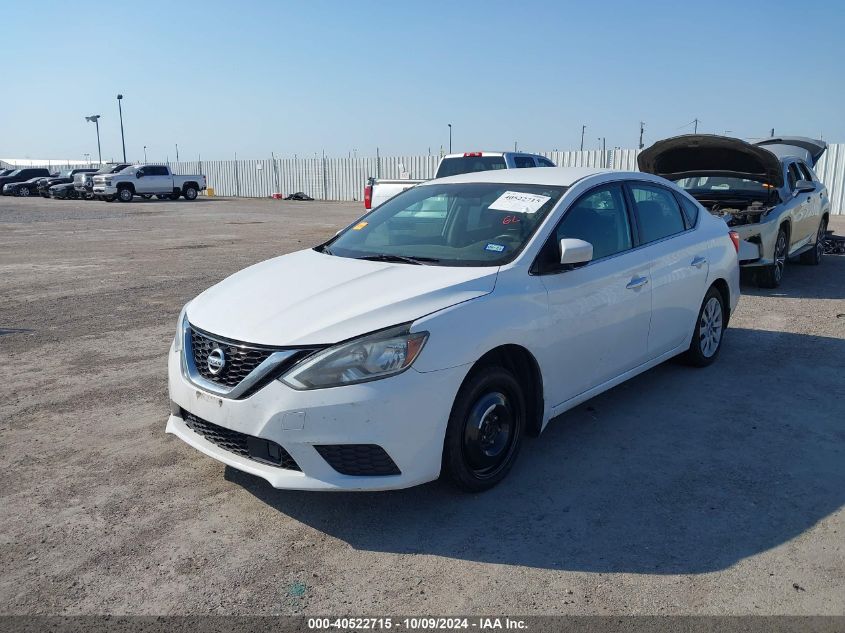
807 149
708 154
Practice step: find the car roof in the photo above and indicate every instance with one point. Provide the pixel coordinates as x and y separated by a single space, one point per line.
556 176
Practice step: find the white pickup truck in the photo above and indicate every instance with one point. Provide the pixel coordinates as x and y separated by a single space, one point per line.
378 191
147 181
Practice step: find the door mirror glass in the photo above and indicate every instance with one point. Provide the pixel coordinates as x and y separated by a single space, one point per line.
574 251
803 186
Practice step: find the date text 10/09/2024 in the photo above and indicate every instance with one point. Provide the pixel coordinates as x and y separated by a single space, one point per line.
416 624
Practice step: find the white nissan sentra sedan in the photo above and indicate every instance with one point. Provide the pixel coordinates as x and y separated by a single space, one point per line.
433 333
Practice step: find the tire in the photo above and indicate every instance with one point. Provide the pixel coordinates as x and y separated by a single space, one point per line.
174 196
124 194
190 193
485 429
771 276
24 192
146 196
709 330
814 257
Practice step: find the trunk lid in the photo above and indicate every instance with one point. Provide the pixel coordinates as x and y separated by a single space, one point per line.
807 149
708 154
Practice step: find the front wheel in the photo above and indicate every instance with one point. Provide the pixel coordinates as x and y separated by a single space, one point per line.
709 330
24 192
814 256
771 276
485 429
125 195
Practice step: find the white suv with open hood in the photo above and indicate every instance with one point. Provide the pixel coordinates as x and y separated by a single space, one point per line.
766 191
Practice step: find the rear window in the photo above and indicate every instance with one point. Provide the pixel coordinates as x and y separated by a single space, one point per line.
469 164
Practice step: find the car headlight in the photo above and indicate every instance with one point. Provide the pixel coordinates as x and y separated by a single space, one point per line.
385 353
177 341
107 181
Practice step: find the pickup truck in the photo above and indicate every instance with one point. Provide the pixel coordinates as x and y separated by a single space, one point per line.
378 191
83 183
147 181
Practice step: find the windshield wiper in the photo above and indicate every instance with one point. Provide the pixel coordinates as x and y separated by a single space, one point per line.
385 257
324 248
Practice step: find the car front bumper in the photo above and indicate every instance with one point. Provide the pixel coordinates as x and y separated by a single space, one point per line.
406 415
763 236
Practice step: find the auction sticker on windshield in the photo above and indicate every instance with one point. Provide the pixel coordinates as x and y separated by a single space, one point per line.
518 202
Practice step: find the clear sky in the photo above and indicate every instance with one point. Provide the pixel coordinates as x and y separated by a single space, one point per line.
302 77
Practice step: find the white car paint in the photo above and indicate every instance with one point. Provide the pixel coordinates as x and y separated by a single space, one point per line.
586 329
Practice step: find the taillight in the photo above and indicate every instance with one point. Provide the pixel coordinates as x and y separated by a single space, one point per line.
368 197
472 154
735 239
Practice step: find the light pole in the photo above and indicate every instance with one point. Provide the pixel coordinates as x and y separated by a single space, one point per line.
450 138
122 140
87 158
177 152
145 154
95 119
583 129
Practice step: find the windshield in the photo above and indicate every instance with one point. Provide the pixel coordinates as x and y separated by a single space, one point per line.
465 224
65 173
723 184
469 164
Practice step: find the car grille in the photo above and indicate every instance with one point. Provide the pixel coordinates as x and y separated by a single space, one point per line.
240 361
358 459
255 448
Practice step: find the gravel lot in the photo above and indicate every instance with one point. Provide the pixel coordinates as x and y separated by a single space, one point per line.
683 491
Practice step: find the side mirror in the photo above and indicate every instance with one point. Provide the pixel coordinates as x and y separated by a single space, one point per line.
574 251
804 186
139 173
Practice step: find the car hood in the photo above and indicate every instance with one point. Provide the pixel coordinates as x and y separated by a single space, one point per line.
807 149
310 298
709 154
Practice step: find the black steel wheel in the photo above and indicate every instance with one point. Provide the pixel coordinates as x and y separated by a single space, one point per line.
485 429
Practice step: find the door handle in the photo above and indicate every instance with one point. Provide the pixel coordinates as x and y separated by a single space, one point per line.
698 261
637 282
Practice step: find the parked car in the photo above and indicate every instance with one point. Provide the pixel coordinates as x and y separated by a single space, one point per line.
22 175
378 191
63 191
432 333
147 180
5 172
766 191
64 176
83 182
23 189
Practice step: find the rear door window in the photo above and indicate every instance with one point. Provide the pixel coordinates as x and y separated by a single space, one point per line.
658 213
792 176
690 210
523 161
544 162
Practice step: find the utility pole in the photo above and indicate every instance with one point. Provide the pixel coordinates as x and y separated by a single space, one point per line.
695 129
642 128
583 129
450 138
514 146
177 152
122 140
773 132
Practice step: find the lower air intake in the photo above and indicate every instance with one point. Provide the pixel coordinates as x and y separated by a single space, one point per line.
362 460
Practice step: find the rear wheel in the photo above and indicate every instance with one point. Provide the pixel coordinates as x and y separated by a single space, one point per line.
814 256
709 329
771 276
190 193
485 429
125 194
